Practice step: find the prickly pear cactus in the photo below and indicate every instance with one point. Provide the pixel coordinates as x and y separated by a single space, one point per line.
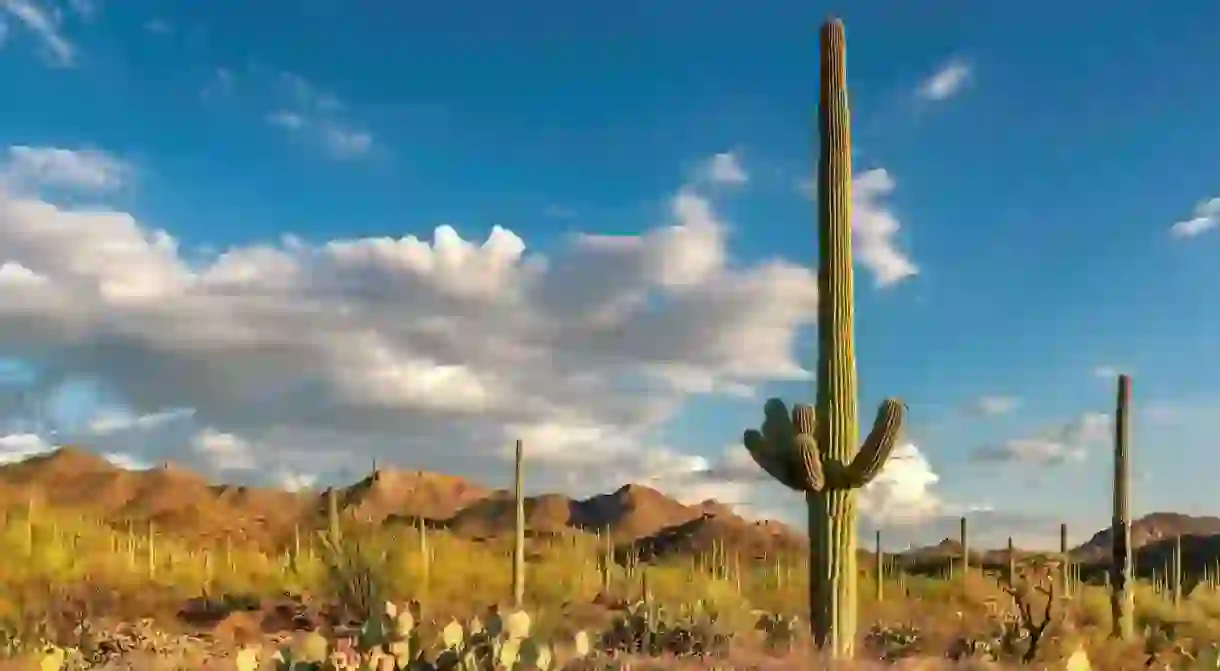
816 452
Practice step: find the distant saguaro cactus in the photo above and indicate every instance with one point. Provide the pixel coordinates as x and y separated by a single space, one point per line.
818 455
1122 592
518 531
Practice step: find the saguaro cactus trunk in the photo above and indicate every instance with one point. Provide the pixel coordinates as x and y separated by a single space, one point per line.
1122 594
818 455
519 532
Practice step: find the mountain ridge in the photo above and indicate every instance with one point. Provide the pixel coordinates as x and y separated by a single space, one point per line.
658 525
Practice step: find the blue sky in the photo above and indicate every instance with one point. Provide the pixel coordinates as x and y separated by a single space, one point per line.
1036 187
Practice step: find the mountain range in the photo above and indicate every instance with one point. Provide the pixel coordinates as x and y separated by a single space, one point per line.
185 503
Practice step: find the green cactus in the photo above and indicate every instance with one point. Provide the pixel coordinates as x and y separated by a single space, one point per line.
820 458
1122 592
518 531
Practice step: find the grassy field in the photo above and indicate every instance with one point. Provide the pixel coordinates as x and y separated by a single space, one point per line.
145 594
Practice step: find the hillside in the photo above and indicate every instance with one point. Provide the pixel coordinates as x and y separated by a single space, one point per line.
185 503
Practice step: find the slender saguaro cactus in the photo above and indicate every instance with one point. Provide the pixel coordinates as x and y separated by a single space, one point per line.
879 568
1065 568
1012 563
1177 571
1122 594
965 541
519 533
818 455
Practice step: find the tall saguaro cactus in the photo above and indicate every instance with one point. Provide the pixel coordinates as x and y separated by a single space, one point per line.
818 455
1122 593
518 532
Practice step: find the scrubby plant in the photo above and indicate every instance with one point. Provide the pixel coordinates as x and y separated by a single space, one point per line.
391 642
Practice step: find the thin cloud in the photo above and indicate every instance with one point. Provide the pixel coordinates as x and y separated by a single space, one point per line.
1204 218
946 82
725 168
991 406
1054 446
45 26
89 170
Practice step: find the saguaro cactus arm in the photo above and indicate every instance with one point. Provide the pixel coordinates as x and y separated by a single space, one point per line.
785 448
876 449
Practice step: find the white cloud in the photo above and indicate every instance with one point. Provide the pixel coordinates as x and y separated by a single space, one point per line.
224 451
990 406
903 492
1068 442
1205 217
312 111
945 82
18 446
308 360
347 142
126 461
725 168
43 24
874 227
87 170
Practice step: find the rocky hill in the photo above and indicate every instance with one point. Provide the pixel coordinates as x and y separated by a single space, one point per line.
185 503
182 502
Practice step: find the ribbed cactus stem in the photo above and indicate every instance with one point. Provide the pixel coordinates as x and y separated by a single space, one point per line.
879 568
518 531
815 451
1177 570
1012 563
1122 594
964 532
335 532
1065 570
425 563
151 559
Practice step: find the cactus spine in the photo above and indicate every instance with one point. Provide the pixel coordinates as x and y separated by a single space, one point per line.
818 455
518 532
1122 594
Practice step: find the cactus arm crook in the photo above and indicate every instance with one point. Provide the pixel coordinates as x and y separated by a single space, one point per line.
766 454
812 477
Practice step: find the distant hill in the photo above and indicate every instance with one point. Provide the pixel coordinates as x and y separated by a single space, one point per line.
182 502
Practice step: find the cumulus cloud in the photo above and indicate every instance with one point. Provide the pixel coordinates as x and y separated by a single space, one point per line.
44 24
991 406
875 227
18 446
1205 217
946 81
302 361
724 168
1053 446
903 493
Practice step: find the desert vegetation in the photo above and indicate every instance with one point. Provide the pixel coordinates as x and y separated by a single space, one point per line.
105 568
